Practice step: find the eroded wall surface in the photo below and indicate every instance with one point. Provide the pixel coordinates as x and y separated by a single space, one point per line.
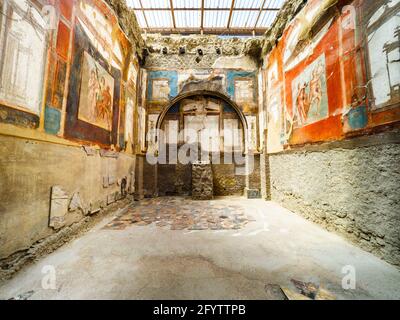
351 191
30 169
331 80
68 103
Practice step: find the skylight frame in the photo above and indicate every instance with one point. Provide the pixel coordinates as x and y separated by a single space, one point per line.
224 17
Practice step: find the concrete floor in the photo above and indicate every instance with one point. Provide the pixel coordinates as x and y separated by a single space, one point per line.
151 262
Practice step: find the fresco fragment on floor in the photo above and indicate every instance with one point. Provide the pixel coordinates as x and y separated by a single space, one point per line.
182 214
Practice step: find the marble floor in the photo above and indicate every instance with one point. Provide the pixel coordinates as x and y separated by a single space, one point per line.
228 248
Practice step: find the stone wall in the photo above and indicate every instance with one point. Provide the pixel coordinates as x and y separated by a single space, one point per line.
265 173
177 180
234 52
253 178
129 24
29 169
150 173
226 182
174 180
202 182
351 188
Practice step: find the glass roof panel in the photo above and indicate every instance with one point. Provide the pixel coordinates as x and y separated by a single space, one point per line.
155 3
159 19
217 4
244 19
216 19
274 4
187 19
140 19
266 19
133 3
255 4
186 4
248 16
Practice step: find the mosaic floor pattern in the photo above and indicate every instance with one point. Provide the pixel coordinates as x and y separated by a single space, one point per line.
182 214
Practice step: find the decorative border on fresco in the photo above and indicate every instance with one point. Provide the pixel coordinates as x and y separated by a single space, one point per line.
234 75
17 117
52 123
78 129
171 76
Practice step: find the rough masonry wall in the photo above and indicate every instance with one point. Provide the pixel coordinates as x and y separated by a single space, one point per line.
128 22
354 192
202 182
226 181
177 180
234 50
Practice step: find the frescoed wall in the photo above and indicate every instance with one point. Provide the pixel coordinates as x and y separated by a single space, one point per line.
21 42
59 55
333 74
68 110
97 94
310 94
238 85
94 94
333 113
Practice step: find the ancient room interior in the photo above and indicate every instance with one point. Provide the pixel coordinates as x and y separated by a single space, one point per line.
199 149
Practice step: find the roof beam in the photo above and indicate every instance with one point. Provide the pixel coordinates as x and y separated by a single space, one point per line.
217 31
230 14
144 14
173 14
259 15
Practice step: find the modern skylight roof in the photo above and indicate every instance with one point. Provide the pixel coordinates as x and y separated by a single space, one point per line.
223 17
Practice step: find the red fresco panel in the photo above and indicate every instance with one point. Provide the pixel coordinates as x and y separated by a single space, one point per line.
66 8
63 36
332 129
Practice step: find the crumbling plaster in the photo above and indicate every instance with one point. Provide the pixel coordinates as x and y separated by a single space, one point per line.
29 169
288 11
129 24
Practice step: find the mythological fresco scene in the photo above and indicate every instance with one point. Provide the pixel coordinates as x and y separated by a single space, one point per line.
199 150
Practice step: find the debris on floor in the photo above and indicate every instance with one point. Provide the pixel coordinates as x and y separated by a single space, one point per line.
306 291
292 295
275 292
182 214
23 296
324 294
309 291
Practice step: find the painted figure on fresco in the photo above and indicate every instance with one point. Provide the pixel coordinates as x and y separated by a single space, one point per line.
316 88
310 98
200 108
93 93
302 103
96 98
103 103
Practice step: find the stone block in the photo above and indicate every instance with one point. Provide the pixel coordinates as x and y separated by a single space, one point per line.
252 193
58 207
202 182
